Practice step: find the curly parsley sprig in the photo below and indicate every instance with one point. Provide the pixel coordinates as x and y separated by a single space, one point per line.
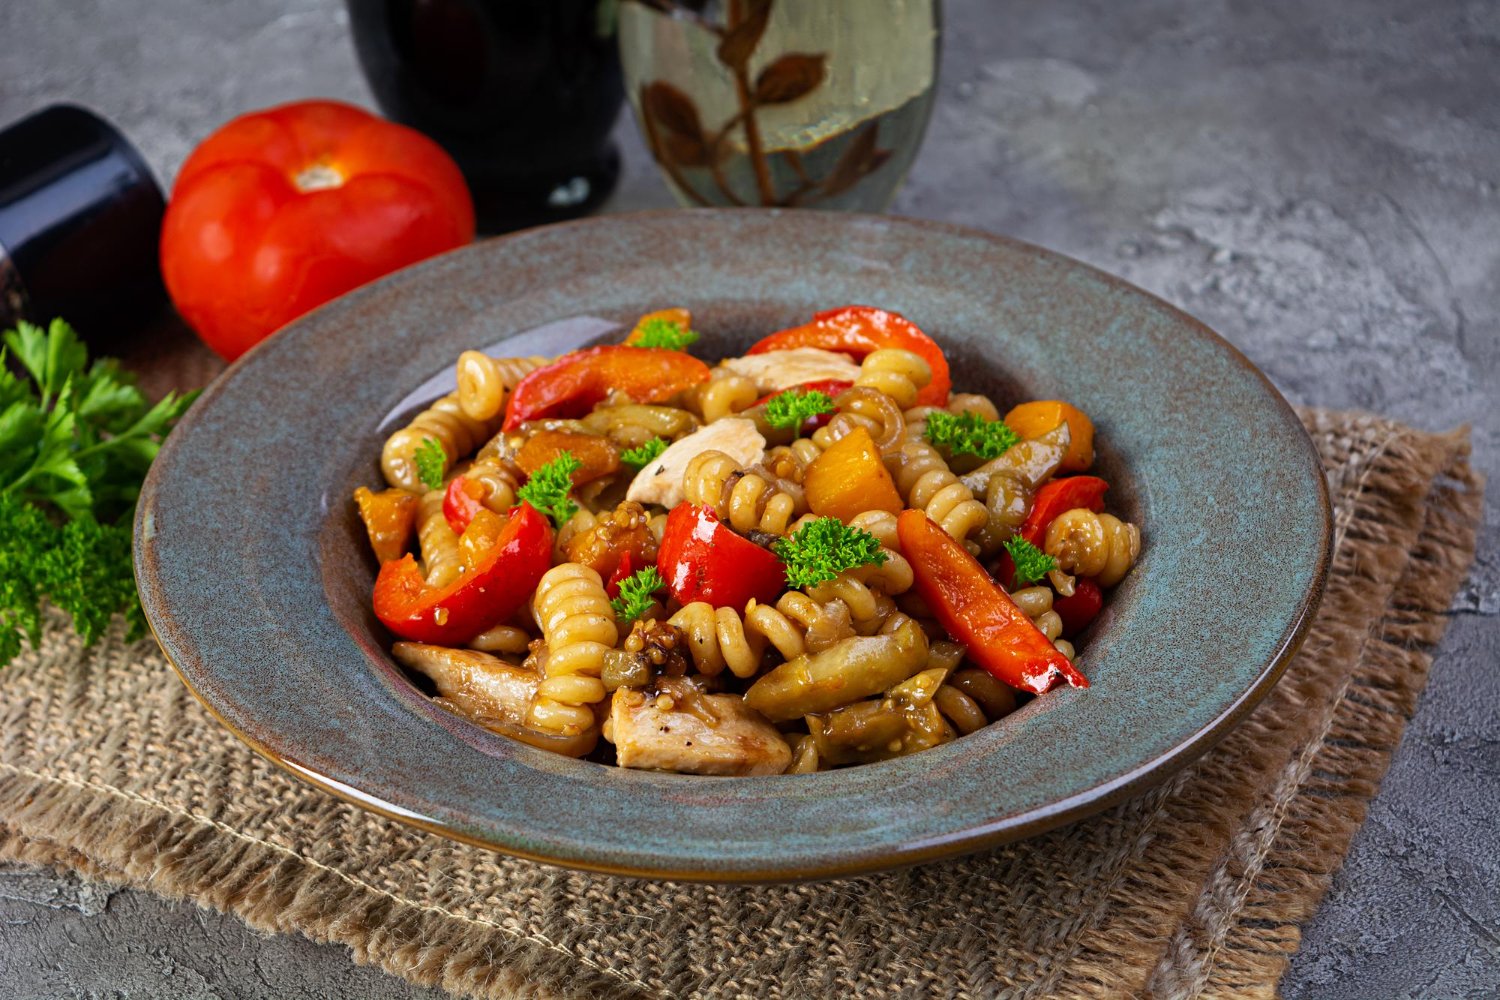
970 434
75 442
795 407
820 550
1031 562
548 488
432 463
637 594
639 458
664 334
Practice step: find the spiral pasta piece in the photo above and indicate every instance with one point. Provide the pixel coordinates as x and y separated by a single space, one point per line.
1094 545
961 711
484 382
797 625
506 639
790 461
897 373
1033 601
723 395
895 575
745 500
446 423
972 402
441 561
864 407
869 610
631 425
717 638
578 626
925 480
582 522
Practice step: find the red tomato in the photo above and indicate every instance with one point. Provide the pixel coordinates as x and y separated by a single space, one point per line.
859 330
281 210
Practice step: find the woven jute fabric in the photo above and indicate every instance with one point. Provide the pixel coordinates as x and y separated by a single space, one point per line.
1197 888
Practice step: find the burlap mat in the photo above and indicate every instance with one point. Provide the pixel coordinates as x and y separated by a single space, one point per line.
108 766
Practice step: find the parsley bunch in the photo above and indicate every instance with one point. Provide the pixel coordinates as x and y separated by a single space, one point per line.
820 550
795 407
970 434
75 442
548 488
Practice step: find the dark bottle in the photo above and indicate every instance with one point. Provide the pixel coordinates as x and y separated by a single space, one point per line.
522 93
80 218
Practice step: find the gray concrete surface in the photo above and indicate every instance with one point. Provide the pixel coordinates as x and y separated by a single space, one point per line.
1317 181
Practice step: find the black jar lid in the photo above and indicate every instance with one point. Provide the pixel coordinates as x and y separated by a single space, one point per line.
80 224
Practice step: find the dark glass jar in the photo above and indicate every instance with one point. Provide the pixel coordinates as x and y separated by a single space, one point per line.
522 93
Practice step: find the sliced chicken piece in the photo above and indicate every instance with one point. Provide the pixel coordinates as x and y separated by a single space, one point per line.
491 693
777 370
661 481
478 684
675 726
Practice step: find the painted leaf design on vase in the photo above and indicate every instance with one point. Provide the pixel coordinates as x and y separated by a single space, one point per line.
674 128
789 78
859 159
743 33
680 137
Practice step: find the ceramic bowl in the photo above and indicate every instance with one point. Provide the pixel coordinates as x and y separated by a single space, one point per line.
256 577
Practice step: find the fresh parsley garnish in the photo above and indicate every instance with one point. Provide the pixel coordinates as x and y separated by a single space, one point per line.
548 488
795 407
432 463
820 550
643 456
75 442
1031 562
636 592
970 434
665 334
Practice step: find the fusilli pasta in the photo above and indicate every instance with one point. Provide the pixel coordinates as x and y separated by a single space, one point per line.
484 382
1100 546
439 544
927 483
578 626
745 500
446 423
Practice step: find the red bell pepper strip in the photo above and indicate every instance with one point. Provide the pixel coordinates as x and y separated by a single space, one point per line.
859 330
976 612
702 560
622 573
1058 496
574 383
498 583
1083 607
830 387
462 500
